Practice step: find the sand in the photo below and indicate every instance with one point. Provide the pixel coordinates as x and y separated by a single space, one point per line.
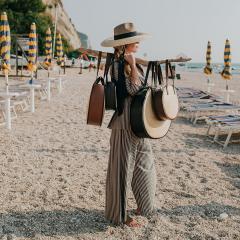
53 170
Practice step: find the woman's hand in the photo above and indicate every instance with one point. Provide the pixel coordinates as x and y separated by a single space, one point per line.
129 57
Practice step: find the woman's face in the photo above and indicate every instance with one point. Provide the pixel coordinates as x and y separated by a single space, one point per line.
132 48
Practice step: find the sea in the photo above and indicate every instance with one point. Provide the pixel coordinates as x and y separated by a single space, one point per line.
198 67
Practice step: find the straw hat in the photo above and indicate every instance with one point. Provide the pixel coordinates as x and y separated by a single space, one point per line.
124 33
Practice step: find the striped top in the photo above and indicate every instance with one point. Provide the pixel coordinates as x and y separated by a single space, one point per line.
123 121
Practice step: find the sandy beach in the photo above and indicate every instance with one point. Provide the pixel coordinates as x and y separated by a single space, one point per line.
53 171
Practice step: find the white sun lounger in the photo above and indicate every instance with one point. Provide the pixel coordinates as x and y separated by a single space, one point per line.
228 124
198 112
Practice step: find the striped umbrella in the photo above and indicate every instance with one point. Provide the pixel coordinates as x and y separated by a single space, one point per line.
5 44
48 48
226 73
59 50
32 52
208 68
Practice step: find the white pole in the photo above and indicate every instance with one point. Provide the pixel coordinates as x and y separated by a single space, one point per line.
49 88
208 83
8 113
7 106
55 29
7 89
32 94
228 97
60 84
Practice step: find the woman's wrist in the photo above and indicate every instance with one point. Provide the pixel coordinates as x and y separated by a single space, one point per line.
133 66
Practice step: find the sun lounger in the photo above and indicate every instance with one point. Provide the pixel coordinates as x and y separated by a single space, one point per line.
227 125
201 111
2 111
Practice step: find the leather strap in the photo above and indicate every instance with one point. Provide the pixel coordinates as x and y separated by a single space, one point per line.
147 72
172 77
99 79
159 74
109 62
166 69
170 68
153 83
99 61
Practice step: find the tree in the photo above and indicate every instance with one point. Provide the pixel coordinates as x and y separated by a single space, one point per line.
21 13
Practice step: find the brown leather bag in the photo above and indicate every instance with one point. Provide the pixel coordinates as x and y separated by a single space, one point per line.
96 105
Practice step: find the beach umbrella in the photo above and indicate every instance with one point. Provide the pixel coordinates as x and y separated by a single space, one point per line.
32 52
208 67
48 48
5 45
59 50
226 73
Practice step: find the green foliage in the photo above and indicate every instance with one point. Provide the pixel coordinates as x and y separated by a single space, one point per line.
21 13
74 54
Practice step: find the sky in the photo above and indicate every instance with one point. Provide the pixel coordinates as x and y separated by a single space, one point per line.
176 26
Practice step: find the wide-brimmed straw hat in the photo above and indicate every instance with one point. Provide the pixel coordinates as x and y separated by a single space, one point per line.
124 33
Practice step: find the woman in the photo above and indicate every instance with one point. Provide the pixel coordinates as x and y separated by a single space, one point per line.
131 158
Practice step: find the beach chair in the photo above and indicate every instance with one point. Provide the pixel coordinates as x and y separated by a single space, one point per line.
202 111
225 126
191 98
2 111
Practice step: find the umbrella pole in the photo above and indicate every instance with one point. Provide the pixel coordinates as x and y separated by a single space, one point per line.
32 95
7 88
226 85
208 84
31 81
49 87
7 106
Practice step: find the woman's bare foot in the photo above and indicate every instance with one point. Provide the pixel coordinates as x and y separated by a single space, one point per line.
138 211
131 222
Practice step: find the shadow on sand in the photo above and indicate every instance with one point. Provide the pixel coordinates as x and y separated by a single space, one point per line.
52 223
232 171
210 210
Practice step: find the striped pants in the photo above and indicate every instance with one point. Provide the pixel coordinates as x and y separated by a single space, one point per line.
131 160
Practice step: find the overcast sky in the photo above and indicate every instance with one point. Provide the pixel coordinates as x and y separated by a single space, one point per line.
176 26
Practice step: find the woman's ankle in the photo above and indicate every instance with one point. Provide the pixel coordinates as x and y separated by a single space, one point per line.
131 222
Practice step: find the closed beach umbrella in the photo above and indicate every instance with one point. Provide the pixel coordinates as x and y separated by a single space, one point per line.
226 73
5 45
208 68
32 52
48 48
59 50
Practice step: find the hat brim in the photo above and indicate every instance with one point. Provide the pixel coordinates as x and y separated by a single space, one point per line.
110 42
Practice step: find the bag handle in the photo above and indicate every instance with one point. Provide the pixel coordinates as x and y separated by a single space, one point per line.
99 79
172 76
166 70
159 74
150 63
99 61
154 75
109 61
156 70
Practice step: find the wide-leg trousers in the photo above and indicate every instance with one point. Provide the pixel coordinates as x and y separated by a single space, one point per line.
130 161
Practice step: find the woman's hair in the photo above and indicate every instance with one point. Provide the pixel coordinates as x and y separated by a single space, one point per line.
118 51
